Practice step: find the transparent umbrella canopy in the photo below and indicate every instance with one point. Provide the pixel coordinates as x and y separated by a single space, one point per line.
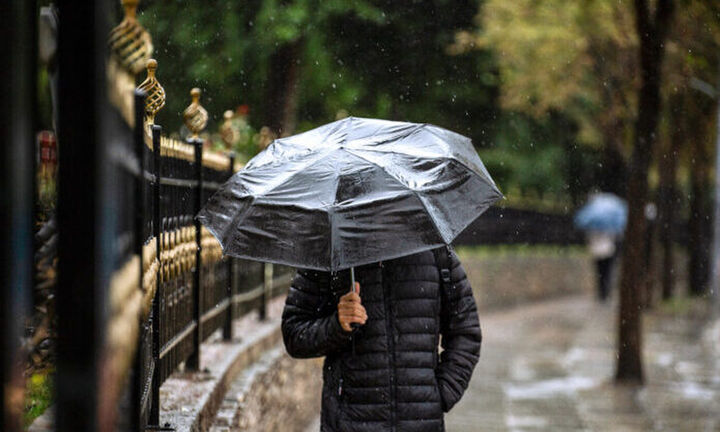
350 193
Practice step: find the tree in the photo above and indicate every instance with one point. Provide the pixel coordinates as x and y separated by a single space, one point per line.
250 52
699 220
668 194
693 48
404 69
652 28
284 29
572 58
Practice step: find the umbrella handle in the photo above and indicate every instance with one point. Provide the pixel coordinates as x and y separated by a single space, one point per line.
352 281
352 278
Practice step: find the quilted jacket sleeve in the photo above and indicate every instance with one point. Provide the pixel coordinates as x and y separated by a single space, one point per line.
461 337
310 325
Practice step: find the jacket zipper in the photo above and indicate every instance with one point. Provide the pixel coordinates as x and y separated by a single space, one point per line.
391 346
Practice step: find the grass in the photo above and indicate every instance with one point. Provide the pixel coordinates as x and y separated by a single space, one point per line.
555 206
38 396
682 306
520 250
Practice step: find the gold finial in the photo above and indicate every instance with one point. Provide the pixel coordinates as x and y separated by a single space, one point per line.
155 93
130 7
129 42
195 115
227 130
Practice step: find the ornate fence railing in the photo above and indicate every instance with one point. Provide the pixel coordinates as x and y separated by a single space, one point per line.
190 290
141 284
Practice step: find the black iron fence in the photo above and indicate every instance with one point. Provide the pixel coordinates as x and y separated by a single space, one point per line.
140 284
190 290
503 225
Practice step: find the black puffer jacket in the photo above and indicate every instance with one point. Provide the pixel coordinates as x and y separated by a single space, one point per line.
394 381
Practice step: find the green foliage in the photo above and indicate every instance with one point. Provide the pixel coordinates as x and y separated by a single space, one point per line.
403 66
374 58
206 45
540 159
223 47
523 250
38 396
288 21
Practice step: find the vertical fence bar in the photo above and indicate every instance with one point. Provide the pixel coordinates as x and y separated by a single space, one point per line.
157 171
138 142
84 243
16 180
193 361
227 329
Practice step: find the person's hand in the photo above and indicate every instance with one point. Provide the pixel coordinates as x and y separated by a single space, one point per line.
351 310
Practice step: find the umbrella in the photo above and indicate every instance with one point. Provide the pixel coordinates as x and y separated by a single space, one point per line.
349 193
604 212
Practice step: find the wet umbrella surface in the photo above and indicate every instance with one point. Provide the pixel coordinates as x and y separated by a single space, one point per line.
350 193
603 212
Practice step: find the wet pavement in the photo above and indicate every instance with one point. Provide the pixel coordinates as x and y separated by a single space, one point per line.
549 367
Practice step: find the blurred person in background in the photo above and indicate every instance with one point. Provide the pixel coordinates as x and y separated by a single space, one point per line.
603 248
603 219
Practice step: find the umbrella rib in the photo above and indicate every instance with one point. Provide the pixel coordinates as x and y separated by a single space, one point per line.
485 175
414 192
265 191
417 127
237 218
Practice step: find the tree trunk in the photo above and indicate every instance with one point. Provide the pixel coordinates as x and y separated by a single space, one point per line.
652 30
700 120
699 221
614 172
667 197
282 91
649 260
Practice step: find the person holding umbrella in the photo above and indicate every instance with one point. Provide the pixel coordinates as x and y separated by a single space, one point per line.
603 219
366 210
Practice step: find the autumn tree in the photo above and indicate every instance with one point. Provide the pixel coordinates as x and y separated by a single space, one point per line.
572 58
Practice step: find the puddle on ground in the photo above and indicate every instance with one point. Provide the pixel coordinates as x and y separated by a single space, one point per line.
526 422
664 359
692 390
549 388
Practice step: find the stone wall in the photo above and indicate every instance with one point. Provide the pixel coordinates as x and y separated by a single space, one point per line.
285 396
503 279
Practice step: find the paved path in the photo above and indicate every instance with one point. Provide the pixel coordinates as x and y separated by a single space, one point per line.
548 367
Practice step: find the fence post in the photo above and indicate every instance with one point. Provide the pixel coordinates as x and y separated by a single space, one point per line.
193 362
84 255
16 183
139 204
227 329
155 320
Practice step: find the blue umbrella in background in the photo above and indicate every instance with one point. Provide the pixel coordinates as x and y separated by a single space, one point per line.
603 212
